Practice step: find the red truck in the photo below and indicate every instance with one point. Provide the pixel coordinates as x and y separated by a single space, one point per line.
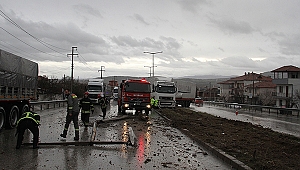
134 94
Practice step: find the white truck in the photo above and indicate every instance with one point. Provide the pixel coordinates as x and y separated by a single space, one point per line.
18 85
186 92
96 90
115 93
164 90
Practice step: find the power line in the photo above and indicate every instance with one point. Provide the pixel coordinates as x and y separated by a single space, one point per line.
14 47
25 42
40 41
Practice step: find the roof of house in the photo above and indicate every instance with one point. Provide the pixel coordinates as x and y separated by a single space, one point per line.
247 77
263 84
289 68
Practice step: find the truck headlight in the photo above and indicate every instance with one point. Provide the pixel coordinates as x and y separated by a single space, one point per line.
148 106
126 105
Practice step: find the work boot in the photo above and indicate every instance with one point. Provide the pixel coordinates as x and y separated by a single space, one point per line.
76 138
63 135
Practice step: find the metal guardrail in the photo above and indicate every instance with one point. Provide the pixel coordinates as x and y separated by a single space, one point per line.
269 109
43 105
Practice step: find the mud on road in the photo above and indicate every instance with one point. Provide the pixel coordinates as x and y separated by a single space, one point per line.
257 147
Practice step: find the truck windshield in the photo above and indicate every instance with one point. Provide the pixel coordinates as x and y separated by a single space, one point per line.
94 88
166 89
115 90
137 87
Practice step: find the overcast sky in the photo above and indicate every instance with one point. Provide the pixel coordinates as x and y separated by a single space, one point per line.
197 37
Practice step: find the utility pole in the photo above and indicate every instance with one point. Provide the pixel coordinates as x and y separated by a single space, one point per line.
101 71
153 53
72 67
149 70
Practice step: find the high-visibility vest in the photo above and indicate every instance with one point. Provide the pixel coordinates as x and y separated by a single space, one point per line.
30 115
154 102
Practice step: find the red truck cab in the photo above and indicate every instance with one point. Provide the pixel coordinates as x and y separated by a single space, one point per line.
134 94
198 102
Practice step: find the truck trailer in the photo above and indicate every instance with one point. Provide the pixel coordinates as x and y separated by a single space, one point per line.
18 85
186 92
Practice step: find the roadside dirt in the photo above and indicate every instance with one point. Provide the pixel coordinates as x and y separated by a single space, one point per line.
257 147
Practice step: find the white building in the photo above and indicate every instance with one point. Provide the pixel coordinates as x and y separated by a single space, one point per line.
287 80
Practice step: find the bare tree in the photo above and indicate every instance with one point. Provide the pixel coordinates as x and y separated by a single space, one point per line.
267 98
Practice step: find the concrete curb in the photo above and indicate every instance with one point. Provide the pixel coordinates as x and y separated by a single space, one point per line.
236 164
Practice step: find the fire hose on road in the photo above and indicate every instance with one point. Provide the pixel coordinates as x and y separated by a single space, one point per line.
130 142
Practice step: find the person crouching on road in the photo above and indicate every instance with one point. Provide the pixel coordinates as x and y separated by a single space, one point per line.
154 102
86 106
103 104
28 120
72 115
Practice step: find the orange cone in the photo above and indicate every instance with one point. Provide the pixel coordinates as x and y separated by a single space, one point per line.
236 112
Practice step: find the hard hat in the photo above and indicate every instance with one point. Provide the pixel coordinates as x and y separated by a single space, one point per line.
86 93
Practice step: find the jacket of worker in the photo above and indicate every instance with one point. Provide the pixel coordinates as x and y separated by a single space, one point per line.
86 105
154 102
73 105
30 115
103 102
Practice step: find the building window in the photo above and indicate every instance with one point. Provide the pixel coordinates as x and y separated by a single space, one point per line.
280 89
294 75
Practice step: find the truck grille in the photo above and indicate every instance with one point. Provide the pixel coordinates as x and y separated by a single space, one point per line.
165 98
93 96
138 99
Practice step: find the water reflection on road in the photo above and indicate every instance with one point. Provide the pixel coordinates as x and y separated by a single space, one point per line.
280 123
159 146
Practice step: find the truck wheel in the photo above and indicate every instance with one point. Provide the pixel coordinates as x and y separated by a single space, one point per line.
2 118
12 118
25 108
188 104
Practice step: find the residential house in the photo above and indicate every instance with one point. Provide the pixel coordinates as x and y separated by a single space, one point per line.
287 80
246 89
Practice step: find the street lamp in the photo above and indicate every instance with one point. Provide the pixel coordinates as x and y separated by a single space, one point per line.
150 70
153 53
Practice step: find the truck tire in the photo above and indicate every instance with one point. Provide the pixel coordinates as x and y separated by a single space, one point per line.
25 108
12 117
2 118
188 104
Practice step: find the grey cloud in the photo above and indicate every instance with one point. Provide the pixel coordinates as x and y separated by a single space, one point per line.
140 19
170 43
191 5
131 42
274 35
87 9
238 62
57 40
231 26
290 45
221 49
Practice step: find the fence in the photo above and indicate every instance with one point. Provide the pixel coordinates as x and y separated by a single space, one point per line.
42 105
269 109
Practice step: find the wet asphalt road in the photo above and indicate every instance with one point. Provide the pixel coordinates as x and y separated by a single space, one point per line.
281 123
158 146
